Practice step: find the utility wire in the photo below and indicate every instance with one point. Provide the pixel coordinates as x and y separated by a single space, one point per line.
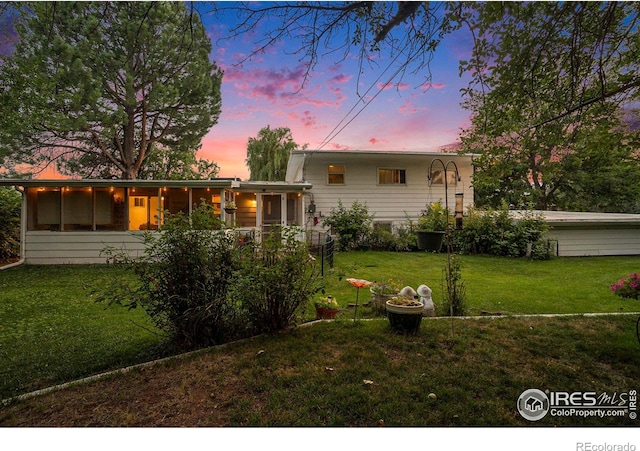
328 138
333 135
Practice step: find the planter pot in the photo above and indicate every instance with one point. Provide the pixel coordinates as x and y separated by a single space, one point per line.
430 241
326 313
404 319
230 211
378 301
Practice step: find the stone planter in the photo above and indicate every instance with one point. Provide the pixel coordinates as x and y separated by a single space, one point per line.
378 301
430 241
404 319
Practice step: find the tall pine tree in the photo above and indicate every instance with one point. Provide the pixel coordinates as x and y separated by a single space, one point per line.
98 87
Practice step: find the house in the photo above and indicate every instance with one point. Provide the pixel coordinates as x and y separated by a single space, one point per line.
72 221
394 185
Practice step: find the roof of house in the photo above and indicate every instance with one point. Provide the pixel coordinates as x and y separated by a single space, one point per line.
297 158
381 152
106 183
573 218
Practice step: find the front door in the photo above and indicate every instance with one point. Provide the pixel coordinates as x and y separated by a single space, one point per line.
271 211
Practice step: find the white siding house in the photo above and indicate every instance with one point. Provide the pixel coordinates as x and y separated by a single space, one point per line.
73 221
394 185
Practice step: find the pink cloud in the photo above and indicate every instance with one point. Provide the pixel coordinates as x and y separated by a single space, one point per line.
374 141
429 85
398 86
336 146
308 119
282 85
340 78
408 107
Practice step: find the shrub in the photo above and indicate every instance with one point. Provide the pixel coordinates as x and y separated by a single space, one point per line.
433 219
406 239
454 291
9 224
203 286
352 225
382 240
496 232
275 281
183 279
628 287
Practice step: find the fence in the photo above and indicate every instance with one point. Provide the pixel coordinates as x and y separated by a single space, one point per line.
321 245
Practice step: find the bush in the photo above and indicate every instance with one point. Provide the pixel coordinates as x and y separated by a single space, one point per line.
628 287
454 291
183 279
353 225
495 232
9 224
203 287
382 240
433 219
275 282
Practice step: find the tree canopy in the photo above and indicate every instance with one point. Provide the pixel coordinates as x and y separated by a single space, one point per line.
268 154
552 93
99 87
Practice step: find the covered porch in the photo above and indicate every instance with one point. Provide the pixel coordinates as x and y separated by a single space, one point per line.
72 221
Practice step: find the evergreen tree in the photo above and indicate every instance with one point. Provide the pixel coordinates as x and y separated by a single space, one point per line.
97 87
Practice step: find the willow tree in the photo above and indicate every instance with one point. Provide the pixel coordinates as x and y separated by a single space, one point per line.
268 154
98 87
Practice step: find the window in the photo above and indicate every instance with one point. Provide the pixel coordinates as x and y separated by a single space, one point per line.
392 177
335 174
72 208
44 208
293 209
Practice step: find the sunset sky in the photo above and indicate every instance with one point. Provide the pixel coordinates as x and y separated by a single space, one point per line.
268 90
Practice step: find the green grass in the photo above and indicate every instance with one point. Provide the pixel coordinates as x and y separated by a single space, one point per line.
495 285
342 373
52 331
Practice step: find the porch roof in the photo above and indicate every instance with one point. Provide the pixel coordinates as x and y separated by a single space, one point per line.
104 183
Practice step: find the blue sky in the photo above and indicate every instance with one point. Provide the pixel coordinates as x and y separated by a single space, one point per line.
268 90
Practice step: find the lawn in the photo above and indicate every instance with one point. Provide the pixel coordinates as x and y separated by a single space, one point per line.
52 331
344 374
495 285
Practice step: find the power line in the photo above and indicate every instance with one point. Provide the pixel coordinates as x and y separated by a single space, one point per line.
333 135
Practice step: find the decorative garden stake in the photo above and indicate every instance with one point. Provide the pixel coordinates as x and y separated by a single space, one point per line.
358 283
445 166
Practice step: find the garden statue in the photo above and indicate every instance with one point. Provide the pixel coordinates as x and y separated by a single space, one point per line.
425 297
408 292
